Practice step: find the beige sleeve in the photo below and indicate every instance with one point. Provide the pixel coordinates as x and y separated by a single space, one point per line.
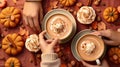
32 0
50 60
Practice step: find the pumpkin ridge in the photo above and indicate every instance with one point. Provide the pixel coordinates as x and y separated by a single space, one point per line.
12 9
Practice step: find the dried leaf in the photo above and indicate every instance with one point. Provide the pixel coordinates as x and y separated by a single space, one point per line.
98 10
75 13
22 31
79 4
94 25
96 2
89 2
27 34
63 65
73 63
14 1
101 26
98 18
54 4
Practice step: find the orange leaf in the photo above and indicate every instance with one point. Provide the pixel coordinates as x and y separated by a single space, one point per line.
101 26
63 65
94 25
14 1
27 34
22 31
54 4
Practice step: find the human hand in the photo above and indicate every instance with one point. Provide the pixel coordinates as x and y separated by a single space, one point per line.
111 37
104 64
31 13
47 46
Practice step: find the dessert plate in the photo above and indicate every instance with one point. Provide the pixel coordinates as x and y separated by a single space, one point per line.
69 25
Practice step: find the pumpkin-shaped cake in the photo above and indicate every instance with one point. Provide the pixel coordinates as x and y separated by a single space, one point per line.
110 14
12 44
67 2
114 55
10 17
12 62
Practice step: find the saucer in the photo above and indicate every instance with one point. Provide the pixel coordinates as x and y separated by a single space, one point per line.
50 18
74 42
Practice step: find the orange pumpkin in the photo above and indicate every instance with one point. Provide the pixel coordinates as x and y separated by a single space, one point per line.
10 17
67 2
114 55
12 44
12 62
110 14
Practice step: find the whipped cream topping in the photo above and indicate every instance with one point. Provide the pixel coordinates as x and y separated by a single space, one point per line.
58 26
86 15
32 43
88 47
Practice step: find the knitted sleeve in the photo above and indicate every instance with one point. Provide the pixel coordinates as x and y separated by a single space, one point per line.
50 60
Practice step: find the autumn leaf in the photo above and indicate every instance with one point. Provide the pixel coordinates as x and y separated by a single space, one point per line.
27 34
23 32
79 4
54 4
95 25
101 26
14 1
63 65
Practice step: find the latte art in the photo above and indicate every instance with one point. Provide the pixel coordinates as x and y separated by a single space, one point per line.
86 15
88 47
58 26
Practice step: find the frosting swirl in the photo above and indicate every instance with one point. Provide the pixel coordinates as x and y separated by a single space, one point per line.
86 15
32 43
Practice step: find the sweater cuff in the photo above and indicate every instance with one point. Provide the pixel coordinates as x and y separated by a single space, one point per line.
33 0
49 57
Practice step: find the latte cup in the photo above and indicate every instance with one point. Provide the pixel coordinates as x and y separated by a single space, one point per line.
90 47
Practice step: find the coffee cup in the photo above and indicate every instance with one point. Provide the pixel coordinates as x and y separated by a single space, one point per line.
90 47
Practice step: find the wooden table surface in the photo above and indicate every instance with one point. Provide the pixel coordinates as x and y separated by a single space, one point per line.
65 52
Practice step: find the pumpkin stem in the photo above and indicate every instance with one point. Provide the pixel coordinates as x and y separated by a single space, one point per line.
111 14
12 64
12 44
